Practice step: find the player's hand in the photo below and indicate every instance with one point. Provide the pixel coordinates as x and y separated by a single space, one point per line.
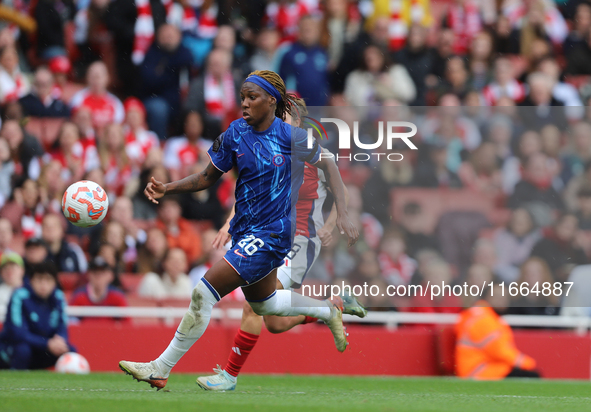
222 237
346 227
325 235
57 345
155 190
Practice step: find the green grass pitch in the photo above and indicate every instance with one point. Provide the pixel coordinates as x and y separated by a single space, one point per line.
48 391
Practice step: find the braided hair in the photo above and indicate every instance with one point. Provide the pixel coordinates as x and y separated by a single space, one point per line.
283 105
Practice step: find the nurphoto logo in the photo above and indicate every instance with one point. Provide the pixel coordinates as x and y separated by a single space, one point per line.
386 130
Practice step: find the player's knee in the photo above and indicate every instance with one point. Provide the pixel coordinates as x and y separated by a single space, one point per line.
201 298
266 307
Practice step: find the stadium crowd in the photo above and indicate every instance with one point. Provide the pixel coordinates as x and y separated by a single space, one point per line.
119 91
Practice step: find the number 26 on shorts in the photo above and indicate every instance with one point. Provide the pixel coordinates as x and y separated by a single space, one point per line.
251 244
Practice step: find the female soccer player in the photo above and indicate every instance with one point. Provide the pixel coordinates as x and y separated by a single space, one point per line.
311 232
269 155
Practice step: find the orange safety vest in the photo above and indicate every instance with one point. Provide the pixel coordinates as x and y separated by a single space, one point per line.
485 348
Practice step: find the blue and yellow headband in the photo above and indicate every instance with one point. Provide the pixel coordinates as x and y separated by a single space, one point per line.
265 85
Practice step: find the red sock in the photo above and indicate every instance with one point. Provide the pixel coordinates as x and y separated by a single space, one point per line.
309 319
243 343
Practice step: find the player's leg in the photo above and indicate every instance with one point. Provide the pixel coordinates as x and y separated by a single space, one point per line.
244 342
220 280
266 300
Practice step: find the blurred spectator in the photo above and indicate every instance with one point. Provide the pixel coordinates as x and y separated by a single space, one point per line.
456 79
528 144
433 171
26 210
60 67
546 109
463 18
484 253
418 59
285 15
51 15
265 53
304 65
581 26
114 159
536 18
559 246
171 282
35 252
35 333
151 253
377 81
82 117
42 100
476 275
160 73
341 24
576 160
99 290
485 347
214 94
535 275
584 208
444 49
138 140
7 167
121 211
68 257
125 254
504 84
179 232
13 83
436 272
563 92
578 62
74 156
24 149
6 236
514 244
482 173
181 153
12 272
480 60
133 24
207 205
52 186
144 209
397 268
536 185
105 108
506 37
91 34
414 224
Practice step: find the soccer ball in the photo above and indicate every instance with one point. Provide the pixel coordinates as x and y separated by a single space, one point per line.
85 203
72 362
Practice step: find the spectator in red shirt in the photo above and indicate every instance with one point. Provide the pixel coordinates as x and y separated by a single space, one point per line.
114 159
139 141
179 232
99 290
181 153
106 108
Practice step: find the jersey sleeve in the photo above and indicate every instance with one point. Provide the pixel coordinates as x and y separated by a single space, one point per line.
304 150
220 152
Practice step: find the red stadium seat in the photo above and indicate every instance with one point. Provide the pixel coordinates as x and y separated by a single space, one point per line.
130 281
69 90
69 281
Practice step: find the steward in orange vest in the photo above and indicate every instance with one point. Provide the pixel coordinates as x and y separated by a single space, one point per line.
485 348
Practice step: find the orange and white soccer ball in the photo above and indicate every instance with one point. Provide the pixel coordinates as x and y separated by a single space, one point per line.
72 362
85 203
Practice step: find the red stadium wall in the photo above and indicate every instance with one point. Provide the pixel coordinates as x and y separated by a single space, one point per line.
310 350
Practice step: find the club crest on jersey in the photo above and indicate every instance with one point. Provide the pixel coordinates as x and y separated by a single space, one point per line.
278 160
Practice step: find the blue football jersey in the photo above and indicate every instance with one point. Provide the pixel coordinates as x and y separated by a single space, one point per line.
270 172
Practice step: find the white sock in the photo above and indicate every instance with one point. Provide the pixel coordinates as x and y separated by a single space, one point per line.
289 303
190 329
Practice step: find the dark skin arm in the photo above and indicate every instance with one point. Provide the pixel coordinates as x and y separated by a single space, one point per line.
335 183
193 183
